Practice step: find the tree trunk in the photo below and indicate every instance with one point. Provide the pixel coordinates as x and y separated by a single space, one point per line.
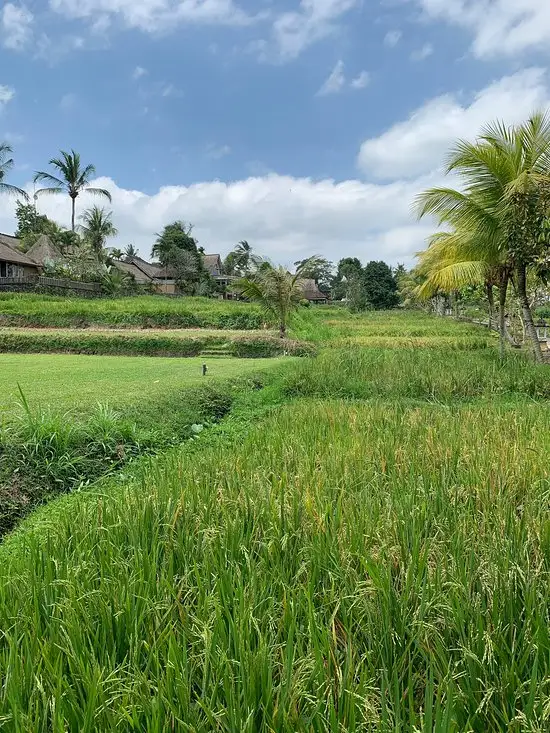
282 330
491 302
73 202
526 311
502 293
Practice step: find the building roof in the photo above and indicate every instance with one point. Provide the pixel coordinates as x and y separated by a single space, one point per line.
213 263
44 250
311 290
153 270
8 254
131 269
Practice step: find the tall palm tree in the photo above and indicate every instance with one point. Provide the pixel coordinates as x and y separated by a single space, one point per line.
130 251
6 164
277 291
72 178
245 259
506 176
96 226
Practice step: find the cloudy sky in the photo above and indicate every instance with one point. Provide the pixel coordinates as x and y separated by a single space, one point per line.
303 126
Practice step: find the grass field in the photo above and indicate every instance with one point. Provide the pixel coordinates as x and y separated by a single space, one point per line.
64 381
364 545
136 312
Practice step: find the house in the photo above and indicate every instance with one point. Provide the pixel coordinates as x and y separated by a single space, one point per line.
12 262
44 252
312 293
152 274
213 263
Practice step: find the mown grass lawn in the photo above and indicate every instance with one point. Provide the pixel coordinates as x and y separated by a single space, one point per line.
62 381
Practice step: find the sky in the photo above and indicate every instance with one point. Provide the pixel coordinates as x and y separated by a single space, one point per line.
303 126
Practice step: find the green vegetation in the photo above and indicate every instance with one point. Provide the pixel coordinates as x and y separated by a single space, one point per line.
65 382
93 415
362 545
499 220
139 312
169 343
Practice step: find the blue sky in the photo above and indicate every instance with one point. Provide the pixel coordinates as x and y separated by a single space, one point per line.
301 126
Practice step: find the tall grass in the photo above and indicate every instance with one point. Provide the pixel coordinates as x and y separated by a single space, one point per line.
395 582
373 556
142 312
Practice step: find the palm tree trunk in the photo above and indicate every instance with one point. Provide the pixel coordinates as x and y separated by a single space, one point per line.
491 302
526 311
73 201
502 293
282 330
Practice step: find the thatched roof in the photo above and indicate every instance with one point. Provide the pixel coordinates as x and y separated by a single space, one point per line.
131 269
213 263
44 250
9 254
311 290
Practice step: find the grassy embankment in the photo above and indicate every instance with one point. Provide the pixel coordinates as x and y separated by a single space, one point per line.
364 545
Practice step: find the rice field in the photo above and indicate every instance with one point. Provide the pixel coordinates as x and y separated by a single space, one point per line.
363 546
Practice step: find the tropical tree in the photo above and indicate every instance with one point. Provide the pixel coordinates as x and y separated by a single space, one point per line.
277 291
96 227
72 178
116 254
130 251
6 164
245 260
504 202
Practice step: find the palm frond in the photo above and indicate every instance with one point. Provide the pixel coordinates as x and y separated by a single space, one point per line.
99 192
48 178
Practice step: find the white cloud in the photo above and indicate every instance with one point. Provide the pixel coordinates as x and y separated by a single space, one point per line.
16 24
284 218
419 144
392 38
169 90
335 82
500 27
138 72
294 31
422 53
6 95
361 81
154 15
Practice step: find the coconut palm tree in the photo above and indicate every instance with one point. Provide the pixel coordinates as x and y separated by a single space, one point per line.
72 178
277 291
505 200
130 251
244 258
96 227
6 164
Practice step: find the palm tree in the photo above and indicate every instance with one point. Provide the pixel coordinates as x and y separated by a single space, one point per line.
455 259
130 251
116 254
96 227
504 202
72 178
277 291
244 258
6 164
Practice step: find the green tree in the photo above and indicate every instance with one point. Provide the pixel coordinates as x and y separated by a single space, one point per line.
130 251
116 254
277 291
96 227
504 201
177 235
6 165
31 225
322 271
230 265
380 286
72 178
348 274
245 259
